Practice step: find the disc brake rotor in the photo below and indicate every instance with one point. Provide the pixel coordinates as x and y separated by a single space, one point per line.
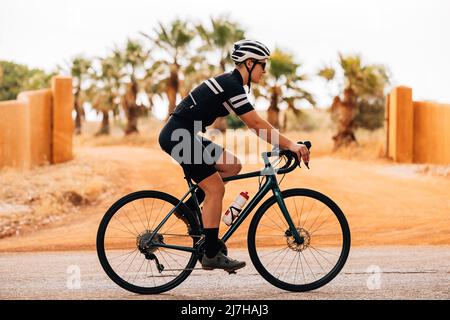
293 245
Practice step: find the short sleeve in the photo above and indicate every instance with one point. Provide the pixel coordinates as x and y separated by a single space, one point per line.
238 100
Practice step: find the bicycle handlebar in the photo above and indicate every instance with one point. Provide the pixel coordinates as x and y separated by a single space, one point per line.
291 156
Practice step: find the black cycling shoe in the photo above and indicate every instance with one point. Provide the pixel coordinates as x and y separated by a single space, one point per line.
221 261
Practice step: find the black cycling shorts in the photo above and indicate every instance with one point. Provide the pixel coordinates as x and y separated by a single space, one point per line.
197 155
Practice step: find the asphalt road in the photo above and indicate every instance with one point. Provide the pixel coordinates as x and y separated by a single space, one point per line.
370 273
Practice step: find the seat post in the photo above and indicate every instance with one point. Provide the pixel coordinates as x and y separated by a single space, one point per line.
191 184
188 180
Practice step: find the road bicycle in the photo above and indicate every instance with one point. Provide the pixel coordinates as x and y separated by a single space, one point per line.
149 242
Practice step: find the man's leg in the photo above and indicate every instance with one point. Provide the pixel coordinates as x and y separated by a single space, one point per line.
212 209
227 165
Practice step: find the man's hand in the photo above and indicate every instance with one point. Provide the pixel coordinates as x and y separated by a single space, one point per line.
301 151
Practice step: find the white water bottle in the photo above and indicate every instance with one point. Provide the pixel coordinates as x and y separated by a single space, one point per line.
235 208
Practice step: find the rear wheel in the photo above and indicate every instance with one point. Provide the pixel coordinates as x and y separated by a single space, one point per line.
313 262
130 259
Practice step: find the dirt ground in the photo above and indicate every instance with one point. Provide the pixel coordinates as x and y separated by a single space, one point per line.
385 203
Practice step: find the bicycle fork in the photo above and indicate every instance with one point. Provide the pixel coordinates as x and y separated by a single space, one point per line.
292 228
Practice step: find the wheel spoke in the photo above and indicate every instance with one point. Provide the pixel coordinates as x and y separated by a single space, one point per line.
276 224
135 234
126 215
289 268
316 259
313 231
143 260
281 261
292 265
122 243
134 257
128 253
158 215
146 216
309 212
281 217
320 250
315 220
143 224
301 253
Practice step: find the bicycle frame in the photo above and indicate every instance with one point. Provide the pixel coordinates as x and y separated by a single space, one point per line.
271 183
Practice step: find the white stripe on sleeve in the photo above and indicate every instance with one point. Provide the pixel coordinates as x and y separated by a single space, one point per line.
214 81
227 106
193 100
240 104
211 87
238 97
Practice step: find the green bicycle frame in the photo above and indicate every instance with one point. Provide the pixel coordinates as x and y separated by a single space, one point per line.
271 183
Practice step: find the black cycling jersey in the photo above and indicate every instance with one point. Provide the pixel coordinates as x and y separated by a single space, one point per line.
215 97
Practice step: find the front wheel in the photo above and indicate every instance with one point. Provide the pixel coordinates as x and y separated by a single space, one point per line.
313 262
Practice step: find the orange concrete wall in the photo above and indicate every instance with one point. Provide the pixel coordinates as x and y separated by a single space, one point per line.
14 132
37 128
431 132
39 118
62 118
418 131
401 119
392 127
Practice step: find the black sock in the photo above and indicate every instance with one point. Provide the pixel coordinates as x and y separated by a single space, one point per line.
190 203
211 241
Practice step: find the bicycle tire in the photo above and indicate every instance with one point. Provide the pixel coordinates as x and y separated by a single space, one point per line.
271 278
189 220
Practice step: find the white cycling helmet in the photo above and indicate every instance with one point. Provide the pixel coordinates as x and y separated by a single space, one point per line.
249 49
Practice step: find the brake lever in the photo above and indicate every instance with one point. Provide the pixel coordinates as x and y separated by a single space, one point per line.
308 145
306 164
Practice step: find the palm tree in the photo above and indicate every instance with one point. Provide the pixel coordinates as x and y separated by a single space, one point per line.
284 82
134 58
219 39
79 69
362 86
174 40
104 92
153 83
102 101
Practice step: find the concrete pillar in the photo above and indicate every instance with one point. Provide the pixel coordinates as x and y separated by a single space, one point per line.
62 124
39 117
14 134
401 120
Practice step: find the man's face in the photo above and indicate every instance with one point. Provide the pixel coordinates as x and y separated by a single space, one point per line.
258 70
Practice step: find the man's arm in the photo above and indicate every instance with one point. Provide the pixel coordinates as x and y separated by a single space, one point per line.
267 132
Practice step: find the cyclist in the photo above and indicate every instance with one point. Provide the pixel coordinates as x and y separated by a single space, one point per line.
206 162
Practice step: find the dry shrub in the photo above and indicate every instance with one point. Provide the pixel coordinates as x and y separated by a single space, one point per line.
41 195
371 145
149 129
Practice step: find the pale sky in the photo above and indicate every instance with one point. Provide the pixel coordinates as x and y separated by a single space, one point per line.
410 37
